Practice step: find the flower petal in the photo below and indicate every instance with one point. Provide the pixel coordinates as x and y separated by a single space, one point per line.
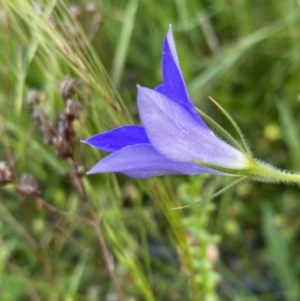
143 161
118 138
173 82
177 136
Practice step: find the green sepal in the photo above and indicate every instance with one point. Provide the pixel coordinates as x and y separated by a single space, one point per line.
246 172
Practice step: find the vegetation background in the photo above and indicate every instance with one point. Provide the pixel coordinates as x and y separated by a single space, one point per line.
66 236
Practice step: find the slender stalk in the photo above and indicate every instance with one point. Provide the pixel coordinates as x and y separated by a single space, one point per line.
92 221
41 258
268 173
95 223
257 171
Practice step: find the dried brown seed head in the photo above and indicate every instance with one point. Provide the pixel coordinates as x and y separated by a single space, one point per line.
65 128
80 171
6 175
63 148
91 7
29 184
75 11
48 132
33 98
68 87
71 109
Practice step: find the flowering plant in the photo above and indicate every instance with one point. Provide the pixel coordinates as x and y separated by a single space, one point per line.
173 138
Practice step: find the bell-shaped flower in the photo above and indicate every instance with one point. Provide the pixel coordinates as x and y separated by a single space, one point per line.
173 139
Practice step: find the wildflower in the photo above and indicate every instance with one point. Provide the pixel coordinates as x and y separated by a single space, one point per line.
173 139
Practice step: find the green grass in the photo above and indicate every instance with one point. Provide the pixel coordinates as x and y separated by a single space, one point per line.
241 246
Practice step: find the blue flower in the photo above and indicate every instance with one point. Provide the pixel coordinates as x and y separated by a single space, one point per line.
173 136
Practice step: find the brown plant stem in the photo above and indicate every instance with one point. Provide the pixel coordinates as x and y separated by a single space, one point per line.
29 238
77 181
93 222
39 252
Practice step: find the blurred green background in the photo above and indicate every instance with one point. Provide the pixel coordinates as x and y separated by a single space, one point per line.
109 237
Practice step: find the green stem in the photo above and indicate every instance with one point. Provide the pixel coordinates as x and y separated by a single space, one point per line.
257 171
265 172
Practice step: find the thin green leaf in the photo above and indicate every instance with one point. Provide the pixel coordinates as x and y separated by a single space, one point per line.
206 200
247 149
221 130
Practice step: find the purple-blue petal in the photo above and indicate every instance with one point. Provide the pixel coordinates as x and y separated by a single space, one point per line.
143 161
176 135
173 83
118 138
